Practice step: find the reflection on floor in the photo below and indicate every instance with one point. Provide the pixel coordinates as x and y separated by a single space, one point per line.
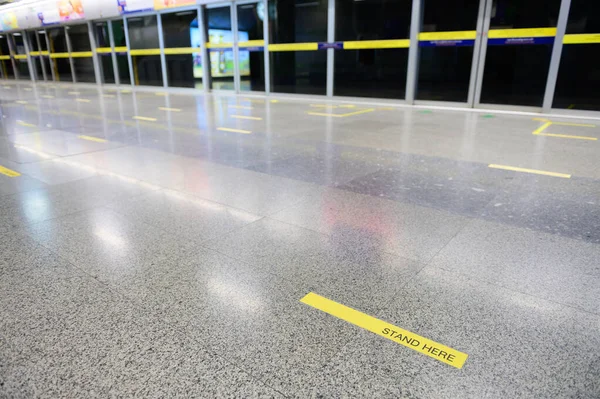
160 245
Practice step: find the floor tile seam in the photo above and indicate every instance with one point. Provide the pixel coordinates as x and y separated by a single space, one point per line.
469 221
512 290
345 244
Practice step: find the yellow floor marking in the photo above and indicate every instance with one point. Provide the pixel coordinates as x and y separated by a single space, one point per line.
74 92
8 172
542 128
254 118
274 101
364 111
160 94
47 96
83 100
387 108
433 349
27 89
347 106
567 136
91 138
21 102
564 123
534 171
323 106
108 95
21 123
226 129
125 91
144 118
240 107
169 109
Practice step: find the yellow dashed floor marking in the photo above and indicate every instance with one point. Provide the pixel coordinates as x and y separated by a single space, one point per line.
254 118
534 171
227 129
8 172
92 138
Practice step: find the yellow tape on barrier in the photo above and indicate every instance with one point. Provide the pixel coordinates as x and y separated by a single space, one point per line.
375 44
294 47
121 49
103 50
20 56
456 35
34 53
252 43
4 57
59 55
527 32
182 50
150 51
219 45
582 38
82 54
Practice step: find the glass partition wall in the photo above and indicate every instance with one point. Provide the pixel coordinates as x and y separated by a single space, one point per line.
482 53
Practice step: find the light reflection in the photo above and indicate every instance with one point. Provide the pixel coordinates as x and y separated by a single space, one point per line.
204 204
110 238
234 294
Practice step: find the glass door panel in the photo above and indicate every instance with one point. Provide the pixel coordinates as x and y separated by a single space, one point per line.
59 54
220 47
20 55
5 61
251 50
145 51
104 51
181 36
519 48
81 53
446 45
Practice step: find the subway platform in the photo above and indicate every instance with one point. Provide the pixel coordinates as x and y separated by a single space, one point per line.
163 244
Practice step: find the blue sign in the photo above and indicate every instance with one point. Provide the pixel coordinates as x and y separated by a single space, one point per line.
520 41
446 43
334 45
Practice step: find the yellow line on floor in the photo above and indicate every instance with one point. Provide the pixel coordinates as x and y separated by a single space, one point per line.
160 94
21 102
169 109
27 89
83 100
227 129
47 96
324 114
91 138
542 128
534 171
364 111
274 101
144 118
323 106
8 172
423 345
254 118
21 123
567 136
564 123
347 106
108 95
74 92
240 107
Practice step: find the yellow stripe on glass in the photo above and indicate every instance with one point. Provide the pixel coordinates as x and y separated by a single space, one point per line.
59 55
182 50
82 54
375 44
527 32
149 51
4 57
219 45
252 43
20 56
423 345
294 47
455 35
103 50
582 38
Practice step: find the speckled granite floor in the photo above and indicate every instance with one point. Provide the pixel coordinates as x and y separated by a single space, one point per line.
166 257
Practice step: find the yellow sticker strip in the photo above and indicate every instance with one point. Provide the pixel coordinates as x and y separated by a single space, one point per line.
582 38
91 138
455 35
240 106
226 129
144 118
8 172
59 55
534 171
527 32
150 51
294 47
375 44
20 56
21 123
103 50
82 54
169 109
252 43
254 118
219 45
182 50
400 336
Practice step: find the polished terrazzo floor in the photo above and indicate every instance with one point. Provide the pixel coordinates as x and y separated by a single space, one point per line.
158 245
